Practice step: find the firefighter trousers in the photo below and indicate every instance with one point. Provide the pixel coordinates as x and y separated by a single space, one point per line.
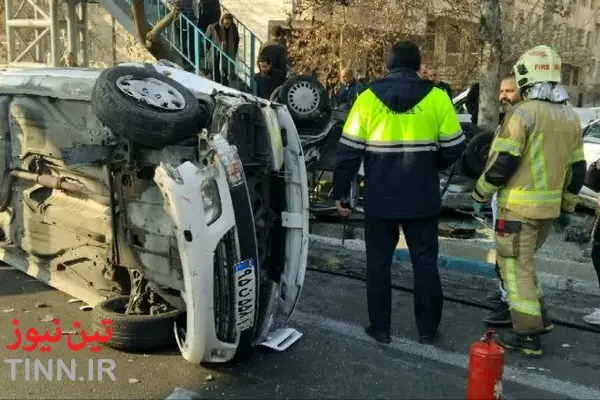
381 237
517 241
596 248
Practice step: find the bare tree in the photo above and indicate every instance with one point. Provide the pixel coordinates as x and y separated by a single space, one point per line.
150 36
330 34
491 34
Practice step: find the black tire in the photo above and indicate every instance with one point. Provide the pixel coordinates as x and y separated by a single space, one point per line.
304 112
476 154
470 130
138 121
275 95
134 332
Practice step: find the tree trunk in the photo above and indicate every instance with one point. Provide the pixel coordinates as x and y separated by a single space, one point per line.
491 33
150 36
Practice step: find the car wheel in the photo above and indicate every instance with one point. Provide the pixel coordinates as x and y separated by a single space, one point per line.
476 154
304 97
134 332
145 106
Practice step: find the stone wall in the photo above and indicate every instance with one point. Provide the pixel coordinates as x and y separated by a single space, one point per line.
101 35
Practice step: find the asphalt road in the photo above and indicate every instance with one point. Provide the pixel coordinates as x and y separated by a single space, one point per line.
334 359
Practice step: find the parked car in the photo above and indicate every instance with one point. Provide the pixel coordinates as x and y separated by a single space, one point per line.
586 114
177 207
591 142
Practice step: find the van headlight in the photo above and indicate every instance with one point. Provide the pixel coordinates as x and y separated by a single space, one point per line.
211 201
230 160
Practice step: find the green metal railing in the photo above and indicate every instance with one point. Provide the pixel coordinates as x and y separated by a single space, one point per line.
198 51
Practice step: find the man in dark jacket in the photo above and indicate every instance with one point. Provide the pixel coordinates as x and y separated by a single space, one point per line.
209 12
269 78
435 78
349 89
275 50
406 131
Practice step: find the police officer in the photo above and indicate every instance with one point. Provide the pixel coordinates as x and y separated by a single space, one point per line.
537 167
406 130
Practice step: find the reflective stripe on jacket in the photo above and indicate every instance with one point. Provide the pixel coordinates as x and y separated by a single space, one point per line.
406 130
536 162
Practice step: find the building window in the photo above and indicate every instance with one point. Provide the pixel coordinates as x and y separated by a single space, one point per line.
568 41
575 76
429 44
520 21
566 74
588 40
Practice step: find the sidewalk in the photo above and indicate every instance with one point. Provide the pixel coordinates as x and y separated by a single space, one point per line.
477 257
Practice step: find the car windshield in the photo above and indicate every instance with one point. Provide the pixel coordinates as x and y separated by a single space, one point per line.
592 130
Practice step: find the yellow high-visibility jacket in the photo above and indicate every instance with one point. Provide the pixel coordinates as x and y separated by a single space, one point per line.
536 162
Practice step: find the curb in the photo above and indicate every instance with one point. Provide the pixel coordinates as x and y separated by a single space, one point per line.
467 266
454 263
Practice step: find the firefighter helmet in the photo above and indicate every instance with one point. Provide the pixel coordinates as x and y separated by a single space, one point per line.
540 64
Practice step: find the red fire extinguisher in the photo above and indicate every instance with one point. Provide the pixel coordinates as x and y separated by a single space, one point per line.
486 366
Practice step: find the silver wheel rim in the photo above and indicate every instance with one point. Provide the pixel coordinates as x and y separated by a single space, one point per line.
153 92
303 98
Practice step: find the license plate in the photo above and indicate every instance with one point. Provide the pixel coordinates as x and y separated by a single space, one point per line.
245 294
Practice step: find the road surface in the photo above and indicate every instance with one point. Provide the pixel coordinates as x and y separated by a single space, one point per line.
334 359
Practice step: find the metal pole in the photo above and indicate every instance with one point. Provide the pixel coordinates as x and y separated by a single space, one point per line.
54 34
85 43
72 27
10 38
38 46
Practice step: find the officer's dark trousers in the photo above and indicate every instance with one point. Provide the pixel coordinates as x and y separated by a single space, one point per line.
381 236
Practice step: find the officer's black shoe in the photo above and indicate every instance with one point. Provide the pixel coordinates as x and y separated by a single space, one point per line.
494 298
527 345
380 336
500 316
429 339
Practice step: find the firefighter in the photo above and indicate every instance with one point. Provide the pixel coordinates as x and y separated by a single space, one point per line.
537 167
509 96
406 130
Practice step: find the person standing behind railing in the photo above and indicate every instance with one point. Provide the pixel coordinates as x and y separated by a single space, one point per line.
209 12
225 35
274 49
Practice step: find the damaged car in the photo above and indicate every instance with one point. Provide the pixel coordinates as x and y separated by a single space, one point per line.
175 206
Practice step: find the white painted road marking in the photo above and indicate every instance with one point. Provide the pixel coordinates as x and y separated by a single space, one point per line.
513 374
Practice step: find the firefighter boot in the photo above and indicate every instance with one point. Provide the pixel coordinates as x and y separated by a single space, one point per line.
500 316
527 345
548 325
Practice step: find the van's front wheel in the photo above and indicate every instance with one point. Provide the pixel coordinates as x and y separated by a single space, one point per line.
134 332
